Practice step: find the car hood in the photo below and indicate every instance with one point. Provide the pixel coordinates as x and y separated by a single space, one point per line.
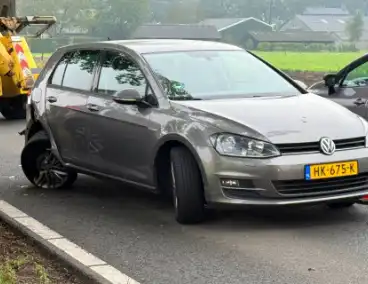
296 119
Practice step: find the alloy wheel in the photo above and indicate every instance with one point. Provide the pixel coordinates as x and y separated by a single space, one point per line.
51 173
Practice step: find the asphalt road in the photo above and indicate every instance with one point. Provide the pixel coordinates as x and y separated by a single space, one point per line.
136 232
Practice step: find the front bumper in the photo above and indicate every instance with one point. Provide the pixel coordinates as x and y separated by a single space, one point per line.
259 180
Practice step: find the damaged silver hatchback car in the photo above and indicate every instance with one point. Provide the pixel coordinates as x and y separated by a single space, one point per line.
206 123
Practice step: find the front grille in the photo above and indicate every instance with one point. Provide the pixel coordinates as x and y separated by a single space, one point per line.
321 187
342 144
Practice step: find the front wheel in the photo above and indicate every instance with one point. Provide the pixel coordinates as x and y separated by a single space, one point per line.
188 195
42 168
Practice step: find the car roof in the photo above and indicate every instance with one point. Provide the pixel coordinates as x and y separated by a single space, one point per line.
142 46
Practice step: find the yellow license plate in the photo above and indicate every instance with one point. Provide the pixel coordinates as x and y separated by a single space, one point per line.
332 170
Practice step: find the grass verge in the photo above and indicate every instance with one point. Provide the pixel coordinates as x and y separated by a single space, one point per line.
22 263
310 61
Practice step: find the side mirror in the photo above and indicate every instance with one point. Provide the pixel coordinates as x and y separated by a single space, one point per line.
301 84
128 97
330 80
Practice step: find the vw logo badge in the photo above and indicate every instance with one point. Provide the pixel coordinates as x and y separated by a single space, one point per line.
327 146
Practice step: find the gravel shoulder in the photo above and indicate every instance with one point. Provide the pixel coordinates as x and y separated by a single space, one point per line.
21 262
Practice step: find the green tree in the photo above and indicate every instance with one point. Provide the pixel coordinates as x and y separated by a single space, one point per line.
217 8
117 19
100 18
354 27
67 12
185 12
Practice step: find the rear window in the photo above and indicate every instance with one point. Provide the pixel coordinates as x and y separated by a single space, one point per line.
57 78
75 70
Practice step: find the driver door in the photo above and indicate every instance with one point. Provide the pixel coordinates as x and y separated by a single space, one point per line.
351 89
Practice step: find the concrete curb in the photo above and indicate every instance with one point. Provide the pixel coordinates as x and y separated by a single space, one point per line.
82 261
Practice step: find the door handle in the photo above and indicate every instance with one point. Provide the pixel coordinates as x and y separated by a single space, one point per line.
52 99
360 102
92 107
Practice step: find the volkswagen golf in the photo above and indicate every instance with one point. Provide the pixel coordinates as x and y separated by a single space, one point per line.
206 123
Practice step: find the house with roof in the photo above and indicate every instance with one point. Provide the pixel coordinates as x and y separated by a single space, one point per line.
291 37
330 20
250 32
236 30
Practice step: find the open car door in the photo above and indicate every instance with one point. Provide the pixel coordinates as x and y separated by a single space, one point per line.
348 87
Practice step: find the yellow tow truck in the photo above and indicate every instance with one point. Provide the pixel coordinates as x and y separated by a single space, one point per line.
18 69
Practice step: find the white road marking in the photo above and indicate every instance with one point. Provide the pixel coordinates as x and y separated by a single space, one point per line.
73 250
10 210
90 262
38 228
113 275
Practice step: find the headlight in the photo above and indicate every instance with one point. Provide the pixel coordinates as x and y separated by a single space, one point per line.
239 146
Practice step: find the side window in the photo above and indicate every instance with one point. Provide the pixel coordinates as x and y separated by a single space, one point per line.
79 71
119 72
358 77
57 77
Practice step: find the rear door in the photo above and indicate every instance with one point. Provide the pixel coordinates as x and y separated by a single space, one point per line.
66 102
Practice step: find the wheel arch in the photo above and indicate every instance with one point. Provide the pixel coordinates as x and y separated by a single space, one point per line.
34 128
37 125
39 147
162 154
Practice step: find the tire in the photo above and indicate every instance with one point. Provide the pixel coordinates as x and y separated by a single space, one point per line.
42 168
14 108
341 205
188 194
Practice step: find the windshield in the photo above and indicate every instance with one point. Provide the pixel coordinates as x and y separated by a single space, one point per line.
216 74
